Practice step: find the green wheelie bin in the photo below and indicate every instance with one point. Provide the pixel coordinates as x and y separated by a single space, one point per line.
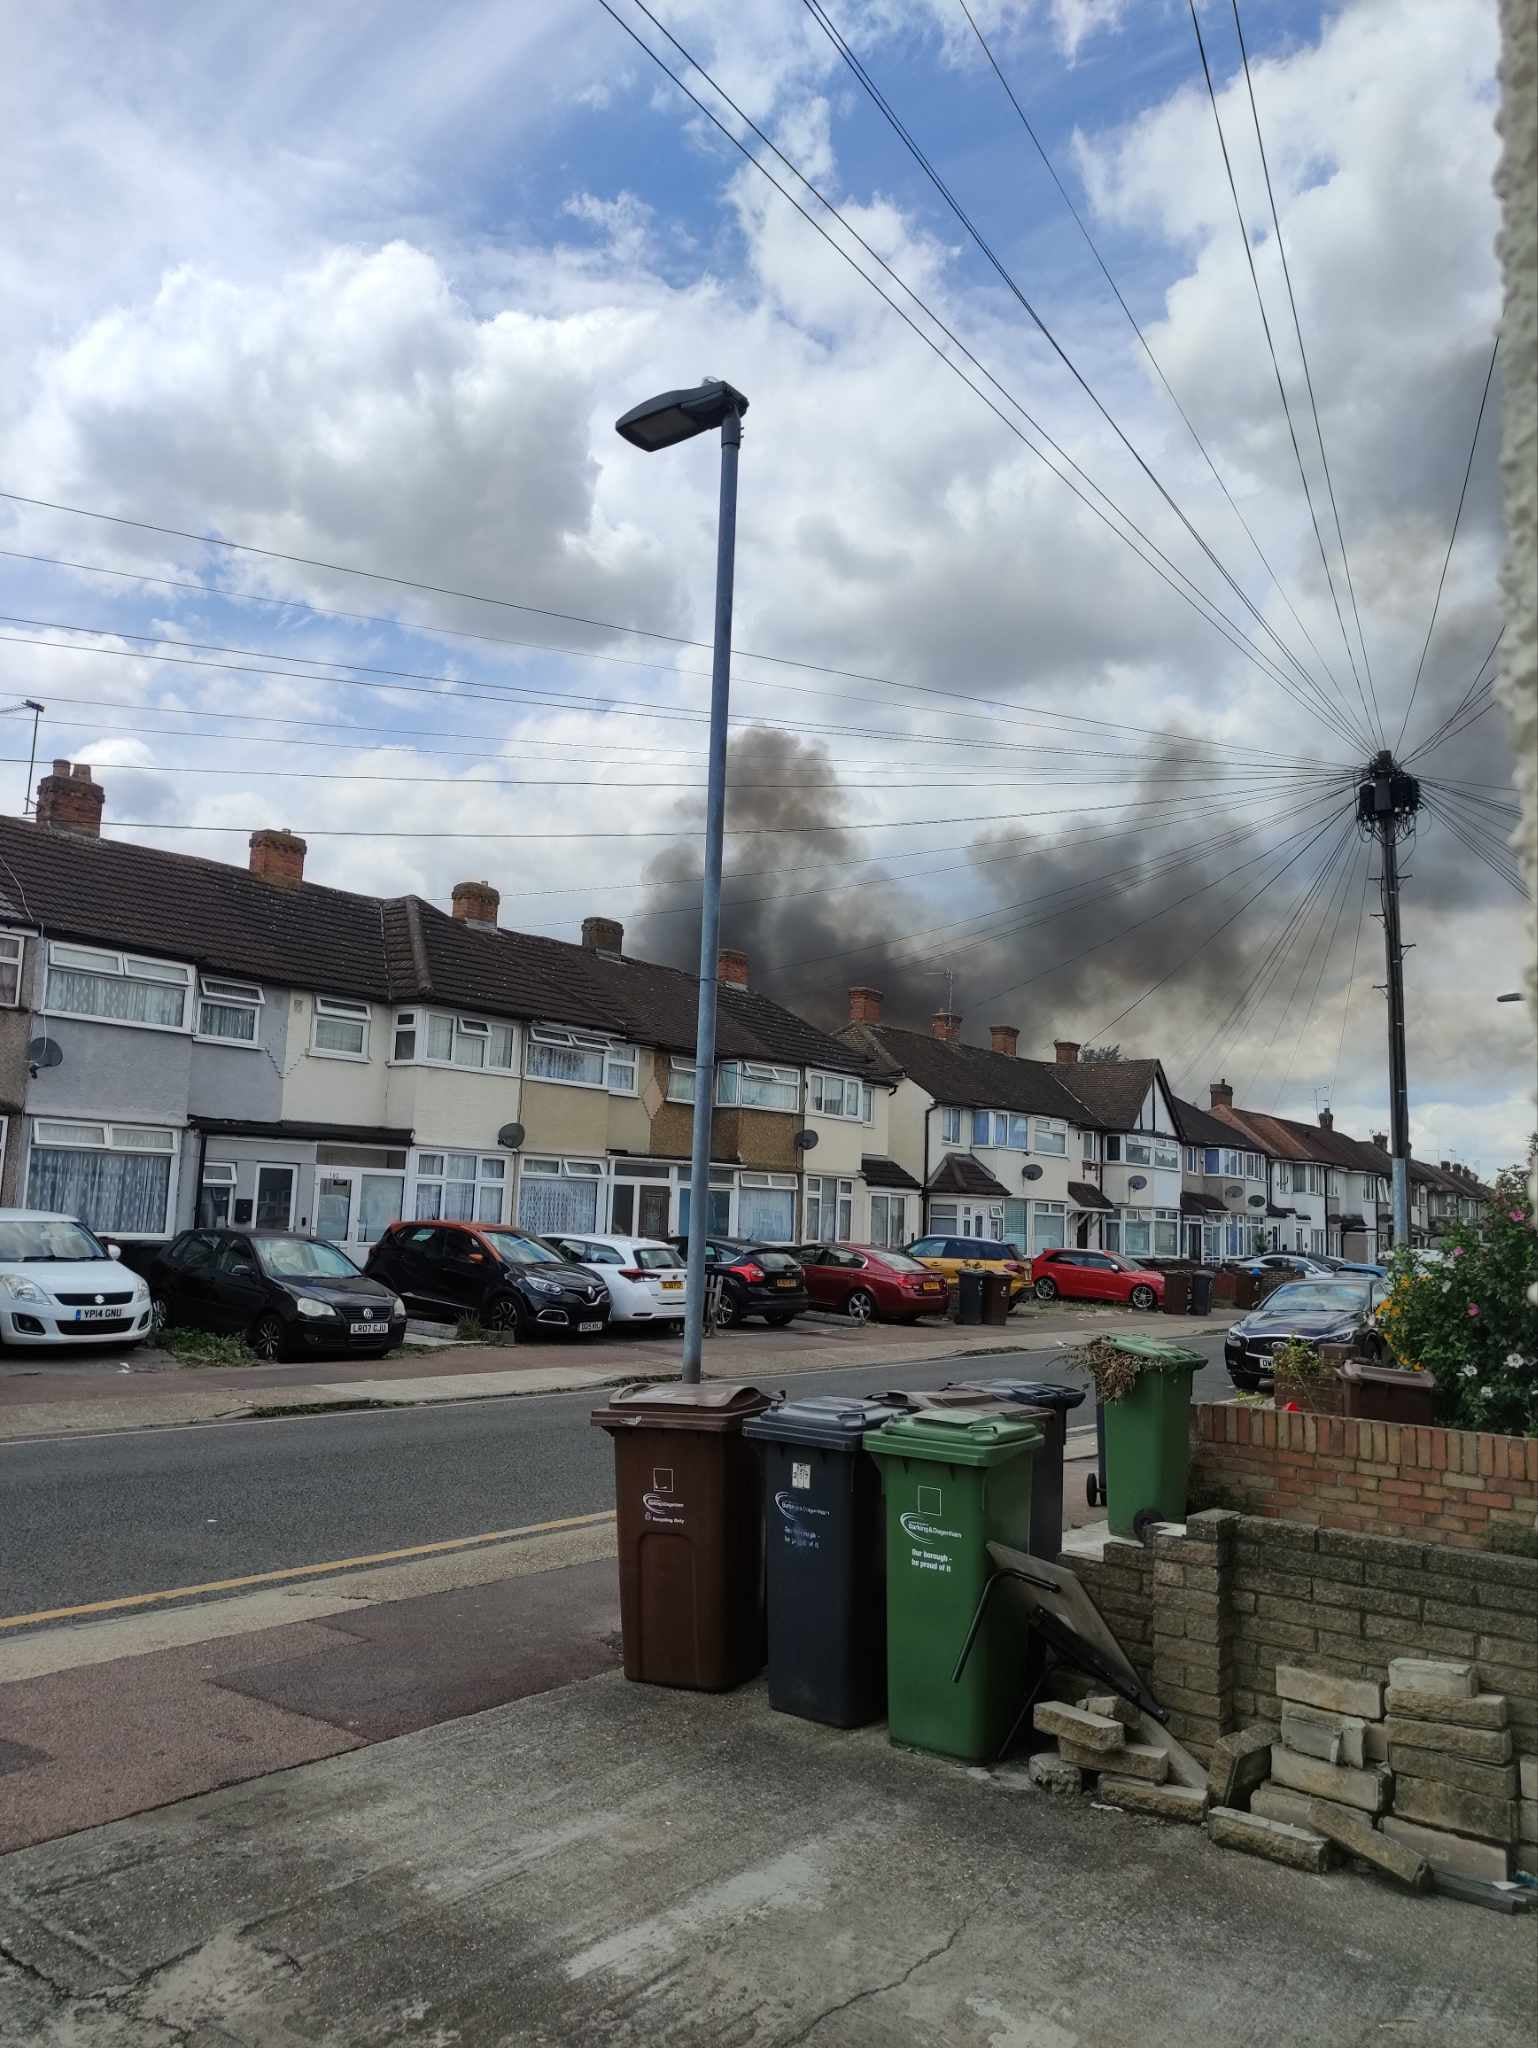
954 1480
1147 1436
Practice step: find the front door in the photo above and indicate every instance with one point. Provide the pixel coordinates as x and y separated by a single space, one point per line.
354 1206
652 1207
334 1206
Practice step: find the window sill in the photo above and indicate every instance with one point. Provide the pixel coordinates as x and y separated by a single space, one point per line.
229 1044
320 1052
114 1023
452 1067
590 1087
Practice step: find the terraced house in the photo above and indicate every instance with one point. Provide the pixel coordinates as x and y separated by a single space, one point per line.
1326 1192
242 1045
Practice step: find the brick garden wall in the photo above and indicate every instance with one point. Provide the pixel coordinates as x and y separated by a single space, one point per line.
1466 1490
1207 1615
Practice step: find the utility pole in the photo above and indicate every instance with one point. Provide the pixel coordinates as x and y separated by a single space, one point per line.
1388 798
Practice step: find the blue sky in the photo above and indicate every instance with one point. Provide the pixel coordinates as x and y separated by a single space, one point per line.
370 287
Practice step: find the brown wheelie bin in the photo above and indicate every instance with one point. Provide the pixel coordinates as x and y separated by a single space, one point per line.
690 1532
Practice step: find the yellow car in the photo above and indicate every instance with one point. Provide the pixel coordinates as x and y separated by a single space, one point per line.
953 1256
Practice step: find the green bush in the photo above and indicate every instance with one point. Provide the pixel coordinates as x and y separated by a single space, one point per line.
1470 1321
205 1347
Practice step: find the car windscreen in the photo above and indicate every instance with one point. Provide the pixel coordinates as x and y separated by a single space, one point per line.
43 1240
901 1263
1315 1297
519 1250
300 1258
657 1258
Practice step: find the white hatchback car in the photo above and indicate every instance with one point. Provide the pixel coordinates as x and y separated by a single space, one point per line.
645 1279
59 1284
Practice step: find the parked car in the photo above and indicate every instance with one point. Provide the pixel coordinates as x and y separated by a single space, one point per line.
1335 1265
284 1293
1300 1265
1096 1276
505 1278
1334 1311
59 1284
645 1277
756 1279
952 1256
864 1282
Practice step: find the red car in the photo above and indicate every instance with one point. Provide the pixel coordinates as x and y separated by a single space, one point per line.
865 1282
1096 1276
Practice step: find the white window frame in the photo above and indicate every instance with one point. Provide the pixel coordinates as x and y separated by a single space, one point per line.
70 1134
342 1010
488 1190
731 1074
476 1030
106 965
891 1204
13 955
828 1190
1089 1145
950 1125
229 995
1046 1212
1046 1129
621 1061
824 1091
1166 1157
1137 1149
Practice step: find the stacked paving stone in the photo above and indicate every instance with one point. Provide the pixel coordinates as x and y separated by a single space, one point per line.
1093 1743
1458 1785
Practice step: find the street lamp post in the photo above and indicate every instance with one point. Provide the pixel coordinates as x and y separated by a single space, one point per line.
662 422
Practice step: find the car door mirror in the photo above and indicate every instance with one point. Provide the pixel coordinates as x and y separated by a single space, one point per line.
241 1269
114 1251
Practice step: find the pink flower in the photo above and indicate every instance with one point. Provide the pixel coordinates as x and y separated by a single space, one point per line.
1458 1251
1517 1215
1473 1308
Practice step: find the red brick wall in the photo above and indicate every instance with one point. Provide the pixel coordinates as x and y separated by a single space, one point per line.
1388 1479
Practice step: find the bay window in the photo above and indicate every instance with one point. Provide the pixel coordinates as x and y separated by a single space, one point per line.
1002 1129
1166 1153
1049 1226
889 1221
114 1177
829 1208
557 1197
950 1127
580 1059
748 1084
227 1010
460 1187
766 1207
842 1095
117 988
341 1029
429 1038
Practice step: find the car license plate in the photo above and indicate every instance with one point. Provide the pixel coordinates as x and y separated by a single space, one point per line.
587 1328
671 1286
784 1283
97 1315
369 1329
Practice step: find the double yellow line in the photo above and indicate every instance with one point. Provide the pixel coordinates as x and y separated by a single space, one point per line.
302 1571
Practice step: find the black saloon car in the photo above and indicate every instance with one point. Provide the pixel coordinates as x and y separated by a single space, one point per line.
505 1278
756 1280
1336 1311
285 1294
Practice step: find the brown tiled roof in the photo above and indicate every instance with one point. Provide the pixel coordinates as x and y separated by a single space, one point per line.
968 1075
960 1174
390 949
1112 1090
1087 1196
1199 1127
885 1173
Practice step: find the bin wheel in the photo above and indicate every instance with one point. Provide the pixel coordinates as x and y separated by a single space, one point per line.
1092 1491
1143 1297
1046 1290
1144 1522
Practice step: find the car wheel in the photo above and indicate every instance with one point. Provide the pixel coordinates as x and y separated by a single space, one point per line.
1143 1297
268 1338
861 1306
729 1311
160 1319
503 1312
782 1321
1046 1290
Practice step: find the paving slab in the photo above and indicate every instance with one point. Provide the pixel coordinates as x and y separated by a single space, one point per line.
619 1863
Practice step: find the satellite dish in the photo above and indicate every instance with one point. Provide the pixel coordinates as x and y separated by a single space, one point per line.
1138 1180
805 1140
45 1052
1031 1172
1257 1201
510 1137
1233 1194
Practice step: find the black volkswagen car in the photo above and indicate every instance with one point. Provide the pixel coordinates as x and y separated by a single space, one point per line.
505 1278
285 1294
756 1280
1336 1311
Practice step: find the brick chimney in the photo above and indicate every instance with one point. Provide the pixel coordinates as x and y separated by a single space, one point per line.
1380 1139
1066 1051
1221 1093
946 1026
476 903
69 801
732 967
278 858
1447 1166
1326 1119
1005 1038
865 1006
603 935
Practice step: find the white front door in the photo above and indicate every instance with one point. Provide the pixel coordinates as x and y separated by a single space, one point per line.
354 1206
980 1221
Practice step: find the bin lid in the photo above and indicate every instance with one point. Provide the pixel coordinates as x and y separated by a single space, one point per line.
701 1404
1036 1393
1159 1351
838 1421
957 1396
955 1436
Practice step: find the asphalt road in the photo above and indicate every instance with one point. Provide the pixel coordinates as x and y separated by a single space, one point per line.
142 1512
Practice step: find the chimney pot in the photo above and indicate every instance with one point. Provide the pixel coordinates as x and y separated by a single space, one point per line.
277 858
1066 1051
865 1006
603 935
732 967
1005 1038
1326 1119
1221 1093
1447 1166
1380 1139
69 801
946 1026
475 903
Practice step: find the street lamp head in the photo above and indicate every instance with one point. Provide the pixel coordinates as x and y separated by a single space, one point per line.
1516 996
674 416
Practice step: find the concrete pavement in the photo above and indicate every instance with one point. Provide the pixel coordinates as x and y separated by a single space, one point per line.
611 1862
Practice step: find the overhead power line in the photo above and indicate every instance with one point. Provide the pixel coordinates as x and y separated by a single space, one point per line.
1444 730
1348 868
1356 947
